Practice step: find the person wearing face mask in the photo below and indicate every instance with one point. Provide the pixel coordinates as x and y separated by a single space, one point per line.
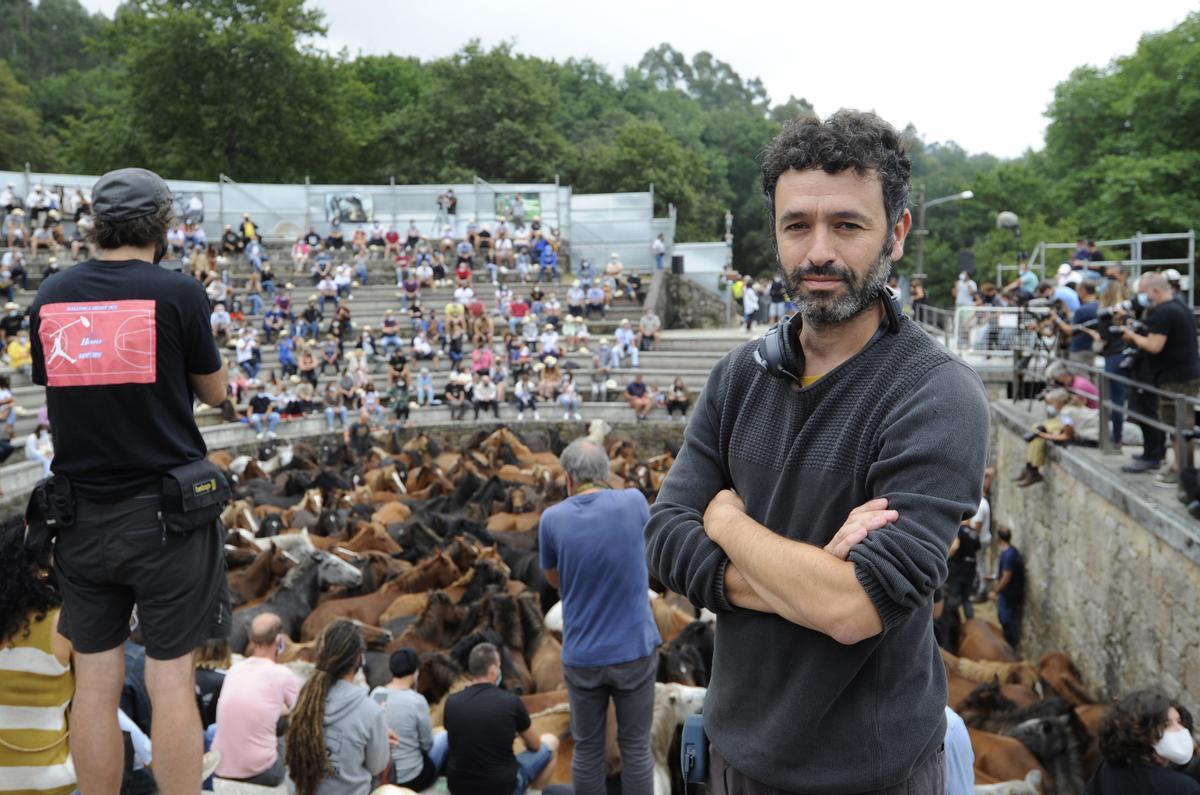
482 722
419 754
1170 363
1142 737
1057 427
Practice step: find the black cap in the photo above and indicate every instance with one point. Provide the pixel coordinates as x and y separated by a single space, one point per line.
129 193
403 662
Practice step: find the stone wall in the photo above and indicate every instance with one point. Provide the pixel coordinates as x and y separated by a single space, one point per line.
1112 577
690 305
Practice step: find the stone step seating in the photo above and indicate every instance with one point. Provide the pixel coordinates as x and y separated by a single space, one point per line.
689 355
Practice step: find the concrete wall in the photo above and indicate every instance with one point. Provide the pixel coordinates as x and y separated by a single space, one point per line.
1112 577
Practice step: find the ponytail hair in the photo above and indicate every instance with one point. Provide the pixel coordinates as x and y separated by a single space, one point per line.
338 651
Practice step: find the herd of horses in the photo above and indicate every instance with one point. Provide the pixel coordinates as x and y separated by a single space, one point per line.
1033 727
433 546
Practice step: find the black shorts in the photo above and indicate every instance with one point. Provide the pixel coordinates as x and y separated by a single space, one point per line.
116 556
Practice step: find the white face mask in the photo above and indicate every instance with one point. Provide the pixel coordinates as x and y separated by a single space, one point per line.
1175 746
1051 410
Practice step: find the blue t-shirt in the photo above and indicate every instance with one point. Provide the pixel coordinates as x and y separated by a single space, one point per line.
596 542
1014 593
1029 281
1068 297
1085 313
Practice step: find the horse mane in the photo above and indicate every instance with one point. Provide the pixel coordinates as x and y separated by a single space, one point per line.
1019 673
438 674
484 574
533 623
506 621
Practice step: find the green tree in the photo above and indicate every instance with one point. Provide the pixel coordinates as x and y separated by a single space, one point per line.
21 139
221 86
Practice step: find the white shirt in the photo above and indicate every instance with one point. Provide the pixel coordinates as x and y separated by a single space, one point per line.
344 273
245 349
327 286
983 518
7 198
464 295
750 300
550 341
659 246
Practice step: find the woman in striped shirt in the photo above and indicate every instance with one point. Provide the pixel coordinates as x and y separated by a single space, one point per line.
36 682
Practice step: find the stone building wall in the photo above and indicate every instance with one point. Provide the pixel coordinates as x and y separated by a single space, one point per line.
1113 579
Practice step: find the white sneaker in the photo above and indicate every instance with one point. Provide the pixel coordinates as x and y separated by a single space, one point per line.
272 435
520 416
566 415
537 416
578 416
261 434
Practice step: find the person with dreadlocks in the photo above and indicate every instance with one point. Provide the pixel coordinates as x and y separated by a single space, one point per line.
36 682
337 737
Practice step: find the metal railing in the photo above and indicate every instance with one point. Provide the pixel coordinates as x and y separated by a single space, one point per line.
984 330
1137 261
1028 369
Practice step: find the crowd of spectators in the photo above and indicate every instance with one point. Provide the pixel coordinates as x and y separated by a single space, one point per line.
505 336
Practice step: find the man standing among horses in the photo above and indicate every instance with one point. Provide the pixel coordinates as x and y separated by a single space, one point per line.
122 346
823 475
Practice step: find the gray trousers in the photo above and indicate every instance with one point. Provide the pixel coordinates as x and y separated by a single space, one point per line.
929 778
630 685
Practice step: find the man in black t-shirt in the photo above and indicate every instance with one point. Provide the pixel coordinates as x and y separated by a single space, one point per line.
482 722
960 582
1170 363
122 346
12 322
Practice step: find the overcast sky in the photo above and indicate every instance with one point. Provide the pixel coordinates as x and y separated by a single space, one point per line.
979 74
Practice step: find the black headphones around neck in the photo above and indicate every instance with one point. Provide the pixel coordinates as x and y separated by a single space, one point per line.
779 352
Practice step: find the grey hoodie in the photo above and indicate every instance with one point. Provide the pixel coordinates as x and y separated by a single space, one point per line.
355 740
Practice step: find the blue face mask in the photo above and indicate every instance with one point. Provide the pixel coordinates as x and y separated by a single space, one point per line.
1143 300
1051 411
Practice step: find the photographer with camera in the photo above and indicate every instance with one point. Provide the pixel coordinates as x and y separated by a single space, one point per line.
1080 320
1170 362
121 346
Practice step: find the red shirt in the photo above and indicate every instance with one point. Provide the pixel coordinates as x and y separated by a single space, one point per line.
518 309
463 271
476 308
392 237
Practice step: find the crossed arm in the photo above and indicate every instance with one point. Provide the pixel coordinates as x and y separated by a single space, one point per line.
813 587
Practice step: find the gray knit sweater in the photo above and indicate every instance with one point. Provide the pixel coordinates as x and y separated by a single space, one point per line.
902 419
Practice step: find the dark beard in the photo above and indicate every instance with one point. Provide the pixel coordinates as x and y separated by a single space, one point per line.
822 310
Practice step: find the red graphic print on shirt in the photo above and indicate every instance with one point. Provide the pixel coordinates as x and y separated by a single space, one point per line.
96 344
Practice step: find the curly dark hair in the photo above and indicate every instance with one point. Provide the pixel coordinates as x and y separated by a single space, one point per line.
137 232
1132 727
847 139
28 590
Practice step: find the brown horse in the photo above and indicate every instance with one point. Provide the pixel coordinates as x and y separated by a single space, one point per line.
542 651
436 572
433 630
984 641
255 580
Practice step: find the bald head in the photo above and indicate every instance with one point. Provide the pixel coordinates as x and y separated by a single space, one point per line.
264 628
1153 280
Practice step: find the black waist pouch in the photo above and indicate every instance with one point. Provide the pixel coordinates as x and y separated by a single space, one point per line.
51 507
193 496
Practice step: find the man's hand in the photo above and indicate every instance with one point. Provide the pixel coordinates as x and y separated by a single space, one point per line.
864 519
716 514
393 738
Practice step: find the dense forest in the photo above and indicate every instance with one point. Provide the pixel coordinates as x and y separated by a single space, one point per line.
192 88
